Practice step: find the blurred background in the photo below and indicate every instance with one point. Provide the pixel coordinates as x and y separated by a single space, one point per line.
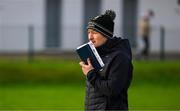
39 68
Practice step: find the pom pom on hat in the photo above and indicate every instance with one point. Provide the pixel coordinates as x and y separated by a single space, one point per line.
104 23
111 13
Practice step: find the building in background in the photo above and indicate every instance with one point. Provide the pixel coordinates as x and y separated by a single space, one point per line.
61 24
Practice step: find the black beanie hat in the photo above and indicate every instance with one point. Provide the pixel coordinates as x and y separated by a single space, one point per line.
104 23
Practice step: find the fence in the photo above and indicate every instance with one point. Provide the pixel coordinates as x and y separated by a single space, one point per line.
30 38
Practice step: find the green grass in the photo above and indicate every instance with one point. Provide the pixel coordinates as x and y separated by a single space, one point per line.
53 84
44 97
71 97
154 97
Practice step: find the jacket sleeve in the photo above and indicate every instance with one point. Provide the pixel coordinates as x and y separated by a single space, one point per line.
119 77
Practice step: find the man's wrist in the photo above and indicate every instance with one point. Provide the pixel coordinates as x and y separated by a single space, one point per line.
91 75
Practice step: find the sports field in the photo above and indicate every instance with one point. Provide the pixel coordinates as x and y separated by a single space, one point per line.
59 85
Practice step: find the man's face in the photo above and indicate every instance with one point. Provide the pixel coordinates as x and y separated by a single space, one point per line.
96 38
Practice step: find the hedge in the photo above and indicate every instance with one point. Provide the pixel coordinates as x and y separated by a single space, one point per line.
69 71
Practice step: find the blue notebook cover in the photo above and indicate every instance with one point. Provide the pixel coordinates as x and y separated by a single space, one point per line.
88 50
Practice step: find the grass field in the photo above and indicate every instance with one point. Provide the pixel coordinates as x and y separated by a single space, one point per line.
155 86
42 97
71 97
154 97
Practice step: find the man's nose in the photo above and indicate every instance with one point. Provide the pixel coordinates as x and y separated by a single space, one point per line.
90 36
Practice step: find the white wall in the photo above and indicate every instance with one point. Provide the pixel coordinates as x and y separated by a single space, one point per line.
167 13
15 17
72 19
115 5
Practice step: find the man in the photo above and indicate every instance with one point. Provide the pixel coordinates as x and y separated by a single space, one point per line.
107 89
144 31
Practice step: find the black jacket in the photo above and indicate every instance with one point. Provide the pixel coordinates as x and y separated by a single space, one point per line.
107 89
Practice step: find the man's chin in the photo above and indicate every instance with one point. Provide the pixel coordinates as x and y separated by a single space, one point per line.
94 44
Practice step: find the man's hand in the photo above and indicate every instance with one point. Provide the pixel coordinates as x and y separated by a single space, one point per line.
86 68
